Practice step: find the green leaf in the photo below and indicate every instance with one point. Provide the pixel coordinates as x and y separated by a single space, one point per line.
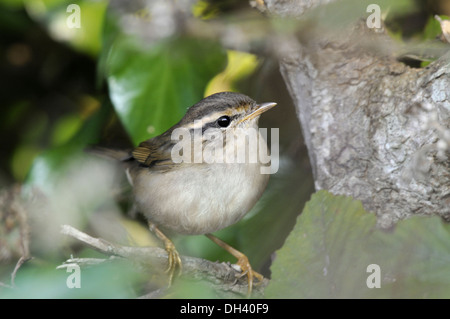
433 27
334 241
152 85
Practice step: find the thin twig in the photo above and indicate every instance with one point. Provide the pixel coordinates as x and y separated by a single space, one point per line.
19 263
222 276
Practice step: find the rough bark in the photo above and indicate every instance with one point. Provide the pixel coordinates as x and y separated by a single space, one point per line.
376 129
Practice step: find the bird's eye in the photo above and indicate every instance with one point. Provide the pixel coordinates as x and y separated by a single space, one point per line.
224 121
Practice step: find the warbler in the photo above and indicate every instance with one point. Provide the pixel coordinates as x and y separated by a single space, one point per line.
195 196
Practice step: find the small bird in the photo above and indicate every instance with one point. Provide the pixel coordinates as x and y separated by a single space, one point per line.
196 196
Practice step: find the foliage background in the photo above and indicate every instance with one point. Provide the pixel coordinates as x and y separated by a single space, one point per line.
65 89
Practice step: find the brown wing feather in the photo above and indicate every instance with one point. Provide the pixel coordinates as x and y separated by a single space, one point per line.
143 155
154 153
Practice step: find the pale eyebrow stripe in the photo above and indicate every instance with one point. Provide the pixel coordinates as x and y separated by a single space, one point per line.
198 124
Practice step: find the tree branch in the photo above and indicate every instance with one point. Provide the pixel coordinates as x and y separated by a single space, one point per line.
224 278
376 129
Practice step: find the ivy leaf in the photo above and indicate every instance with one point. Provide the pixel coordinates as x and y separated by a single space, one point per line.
152 85
334 245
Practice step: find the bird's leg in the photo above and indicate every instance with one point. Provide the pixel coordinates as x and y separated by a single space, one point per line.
242 261
174 260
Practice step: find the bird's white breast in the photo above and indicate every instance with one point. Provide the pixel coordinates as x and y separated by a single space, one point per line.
199 198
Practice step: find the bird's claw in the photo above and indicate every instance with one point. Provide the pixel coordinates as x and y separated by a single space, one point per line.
174 260
246 270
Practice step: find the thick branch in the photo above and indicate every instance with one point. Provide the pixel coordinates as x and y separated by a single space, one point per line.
376 129
224 278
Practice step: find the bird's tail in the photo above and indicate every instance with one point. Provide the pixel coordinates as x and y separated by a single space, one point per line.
109 153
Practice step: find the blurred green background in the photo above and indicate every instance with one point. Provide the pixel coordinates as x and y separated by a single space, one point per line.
65 89
125 75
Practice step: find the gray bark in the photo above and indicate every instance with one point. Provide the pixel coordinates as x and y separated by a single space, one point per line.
226 281
376 129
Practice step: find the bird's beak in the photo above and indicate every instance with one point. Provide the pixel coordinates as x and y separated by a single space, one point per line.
259 109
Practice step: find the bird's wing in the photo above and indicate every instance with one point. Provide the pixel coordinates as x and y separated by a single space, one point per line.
154 153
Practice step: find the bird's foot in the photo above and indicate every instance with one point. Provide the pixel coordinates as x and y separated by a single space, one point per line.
174 260
173 257
247 270
242 262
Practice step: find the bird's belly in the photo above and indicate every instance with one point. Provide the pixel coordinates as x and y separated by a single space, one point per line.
199 200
